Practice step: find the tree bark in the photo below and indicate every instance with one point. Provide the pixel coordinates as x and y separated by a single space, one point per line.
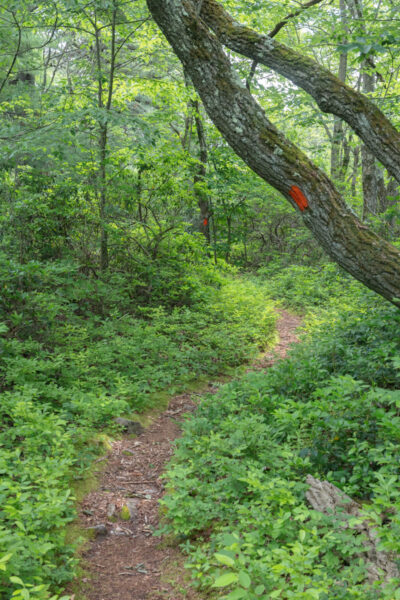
103 130
356 160
338 137
244 125
200 175
388 196
368 164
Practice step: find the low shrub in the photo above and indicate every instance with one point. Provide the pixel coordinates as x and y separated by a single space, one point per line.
236 485
304 287
74 354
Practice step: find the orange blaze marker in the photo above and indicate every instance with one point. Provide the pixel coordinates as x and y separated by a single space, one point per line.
205 222
298 197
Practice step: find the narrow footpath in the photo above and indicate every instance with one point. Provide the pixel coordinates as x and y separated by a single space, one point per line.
125 561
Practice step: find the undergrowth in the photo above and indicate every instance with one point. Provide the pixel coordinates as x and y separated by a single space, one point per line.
76 352
236 486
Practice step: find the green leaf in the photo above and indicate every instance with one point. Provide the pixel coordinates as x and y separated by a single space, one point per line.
236 594
224 559
16 580
225 580
259 589
4 560
229 539
244 579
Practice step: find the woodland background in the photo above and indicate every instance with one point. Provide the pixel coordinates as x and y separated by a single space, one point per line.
139 254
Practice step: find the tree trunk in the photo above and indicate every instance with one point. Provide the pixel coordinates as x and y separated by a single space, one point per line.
356 160
103 198
229 236
103 130
388 197
244 125
199 178
368 162
338 133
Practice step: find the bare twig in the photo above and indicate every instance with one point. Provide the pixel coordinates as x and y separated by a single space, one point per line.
251 74
284 21
16 53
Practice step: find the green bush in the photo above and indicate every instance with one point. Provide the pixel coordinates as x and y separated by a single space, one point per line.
304 287
236 485
239 473
74 353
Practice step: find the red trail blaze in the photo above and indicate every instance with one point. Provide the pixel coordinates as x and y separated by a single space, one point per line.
298 196
205 222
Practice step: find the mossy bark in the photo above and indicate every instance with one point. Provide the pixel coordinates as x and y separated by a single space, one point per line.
256 140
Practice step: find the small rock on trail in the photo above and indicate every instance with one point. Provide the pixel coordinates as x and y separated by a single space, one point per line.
129 426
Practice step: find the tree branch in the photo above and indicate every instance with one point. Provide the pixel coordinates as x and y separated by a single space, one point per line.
331 95
249 79
290 16
16 54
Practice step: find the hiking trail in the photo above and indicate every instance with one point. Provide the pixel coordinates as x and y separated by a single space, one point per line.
125 561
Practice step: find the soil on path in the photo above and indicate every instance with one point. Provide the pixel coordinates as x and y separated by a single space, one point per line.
126 562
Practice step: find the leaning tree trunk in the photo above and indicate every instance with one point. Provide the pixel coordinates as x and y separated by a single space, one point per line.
244 125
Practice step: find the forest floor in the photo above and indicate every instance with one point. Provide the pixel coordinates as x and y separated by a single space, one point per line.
125 561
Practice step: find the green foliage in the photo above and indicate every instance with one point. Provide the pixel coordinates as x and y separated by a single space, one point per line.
302 287
236 486
78 351
99 145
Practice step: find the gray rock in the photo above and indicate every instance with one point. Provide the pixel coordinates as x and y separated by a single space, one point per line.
150 491
132 504
129 426
328 499
98 530
111 510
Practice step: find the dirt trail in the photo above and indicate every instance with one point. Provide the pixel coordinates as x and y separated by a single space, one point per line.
125 562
